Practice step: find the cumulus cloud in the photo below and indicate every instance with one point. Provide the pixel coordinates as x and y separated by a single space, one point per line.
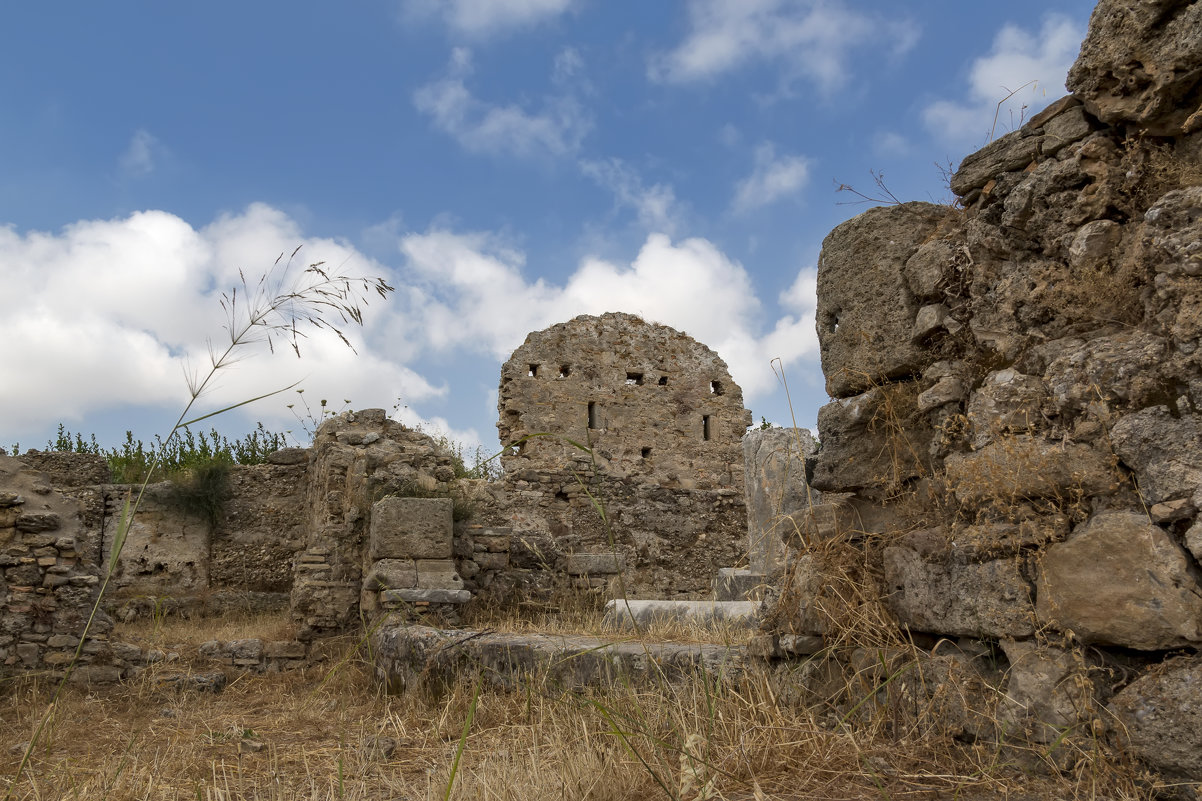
655 206
117 312
474 296
139 159
484 18
1023 72
773 178
482 127
808 39
114 314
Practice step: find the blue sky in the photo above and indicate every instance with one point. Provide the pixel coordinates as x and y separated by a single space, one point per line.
506 164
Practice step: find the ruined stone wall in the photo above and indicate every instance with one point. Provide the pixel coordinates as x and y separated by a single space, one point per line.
663 420
655 405
359 459
47 587
1014 447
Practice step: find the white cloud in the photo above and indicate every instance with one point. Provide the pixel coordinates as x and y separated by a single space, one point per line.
773 178
138 160
656 206
1023 72
809 39
484 18
475 297
482 127
115 311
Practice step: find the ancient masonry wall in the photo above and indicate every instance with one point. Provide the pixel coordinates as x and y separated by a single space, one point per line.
1014 454
662 421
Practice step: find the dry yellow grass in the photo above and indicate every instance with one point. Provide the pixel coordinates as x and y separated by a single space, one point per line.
329 733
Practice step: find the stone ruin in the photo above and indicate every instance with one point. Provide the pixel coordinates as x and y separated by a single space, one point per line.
1013 457
1009 482
644 419
372 518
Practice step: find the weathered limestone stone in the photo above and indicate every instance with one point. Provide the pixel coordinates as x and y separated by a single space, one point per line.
1164 450
1018 467
437 574
1118 369
871 439
865 313
1120 580
391 574
410 528
626 614
1094 243
1161 715
955 597
737 583
1141 65
1007 402
1013 151
775 487
1172 231
412 657
1047 691
594 564
654 404
289 456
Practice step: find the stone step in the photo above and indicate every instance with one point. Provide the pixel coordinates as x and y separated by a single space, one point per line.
738 583
742 614
415 657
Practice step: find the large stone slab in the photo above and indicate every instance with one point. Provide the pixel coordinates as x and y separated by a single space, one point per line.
410 528
1018 467
413 657
1120 580
629 614
775 487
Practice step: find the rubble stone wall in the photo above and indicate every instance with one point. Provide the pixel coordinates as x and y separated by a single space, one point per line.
1014 447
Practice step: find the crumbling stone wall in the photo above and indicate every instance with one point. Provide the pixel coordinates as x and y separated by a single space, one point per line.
358 460
47 587
1015 441
663 420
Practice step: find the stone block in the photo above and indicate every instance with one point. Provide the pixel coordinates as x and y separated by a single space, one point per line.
433 596
737 584
627 614
865 313
594 564
1161 716
391 574
949 596
1120 580
1139 66
775 486
410 528
1164 450
1047 691
1018 467
438 574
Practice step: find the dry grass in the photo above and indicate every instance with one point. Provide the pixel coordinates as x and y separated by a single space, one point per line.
330 733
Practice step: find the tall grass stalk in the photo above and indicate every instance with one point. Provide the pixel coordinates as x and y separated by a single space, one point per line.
278 307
